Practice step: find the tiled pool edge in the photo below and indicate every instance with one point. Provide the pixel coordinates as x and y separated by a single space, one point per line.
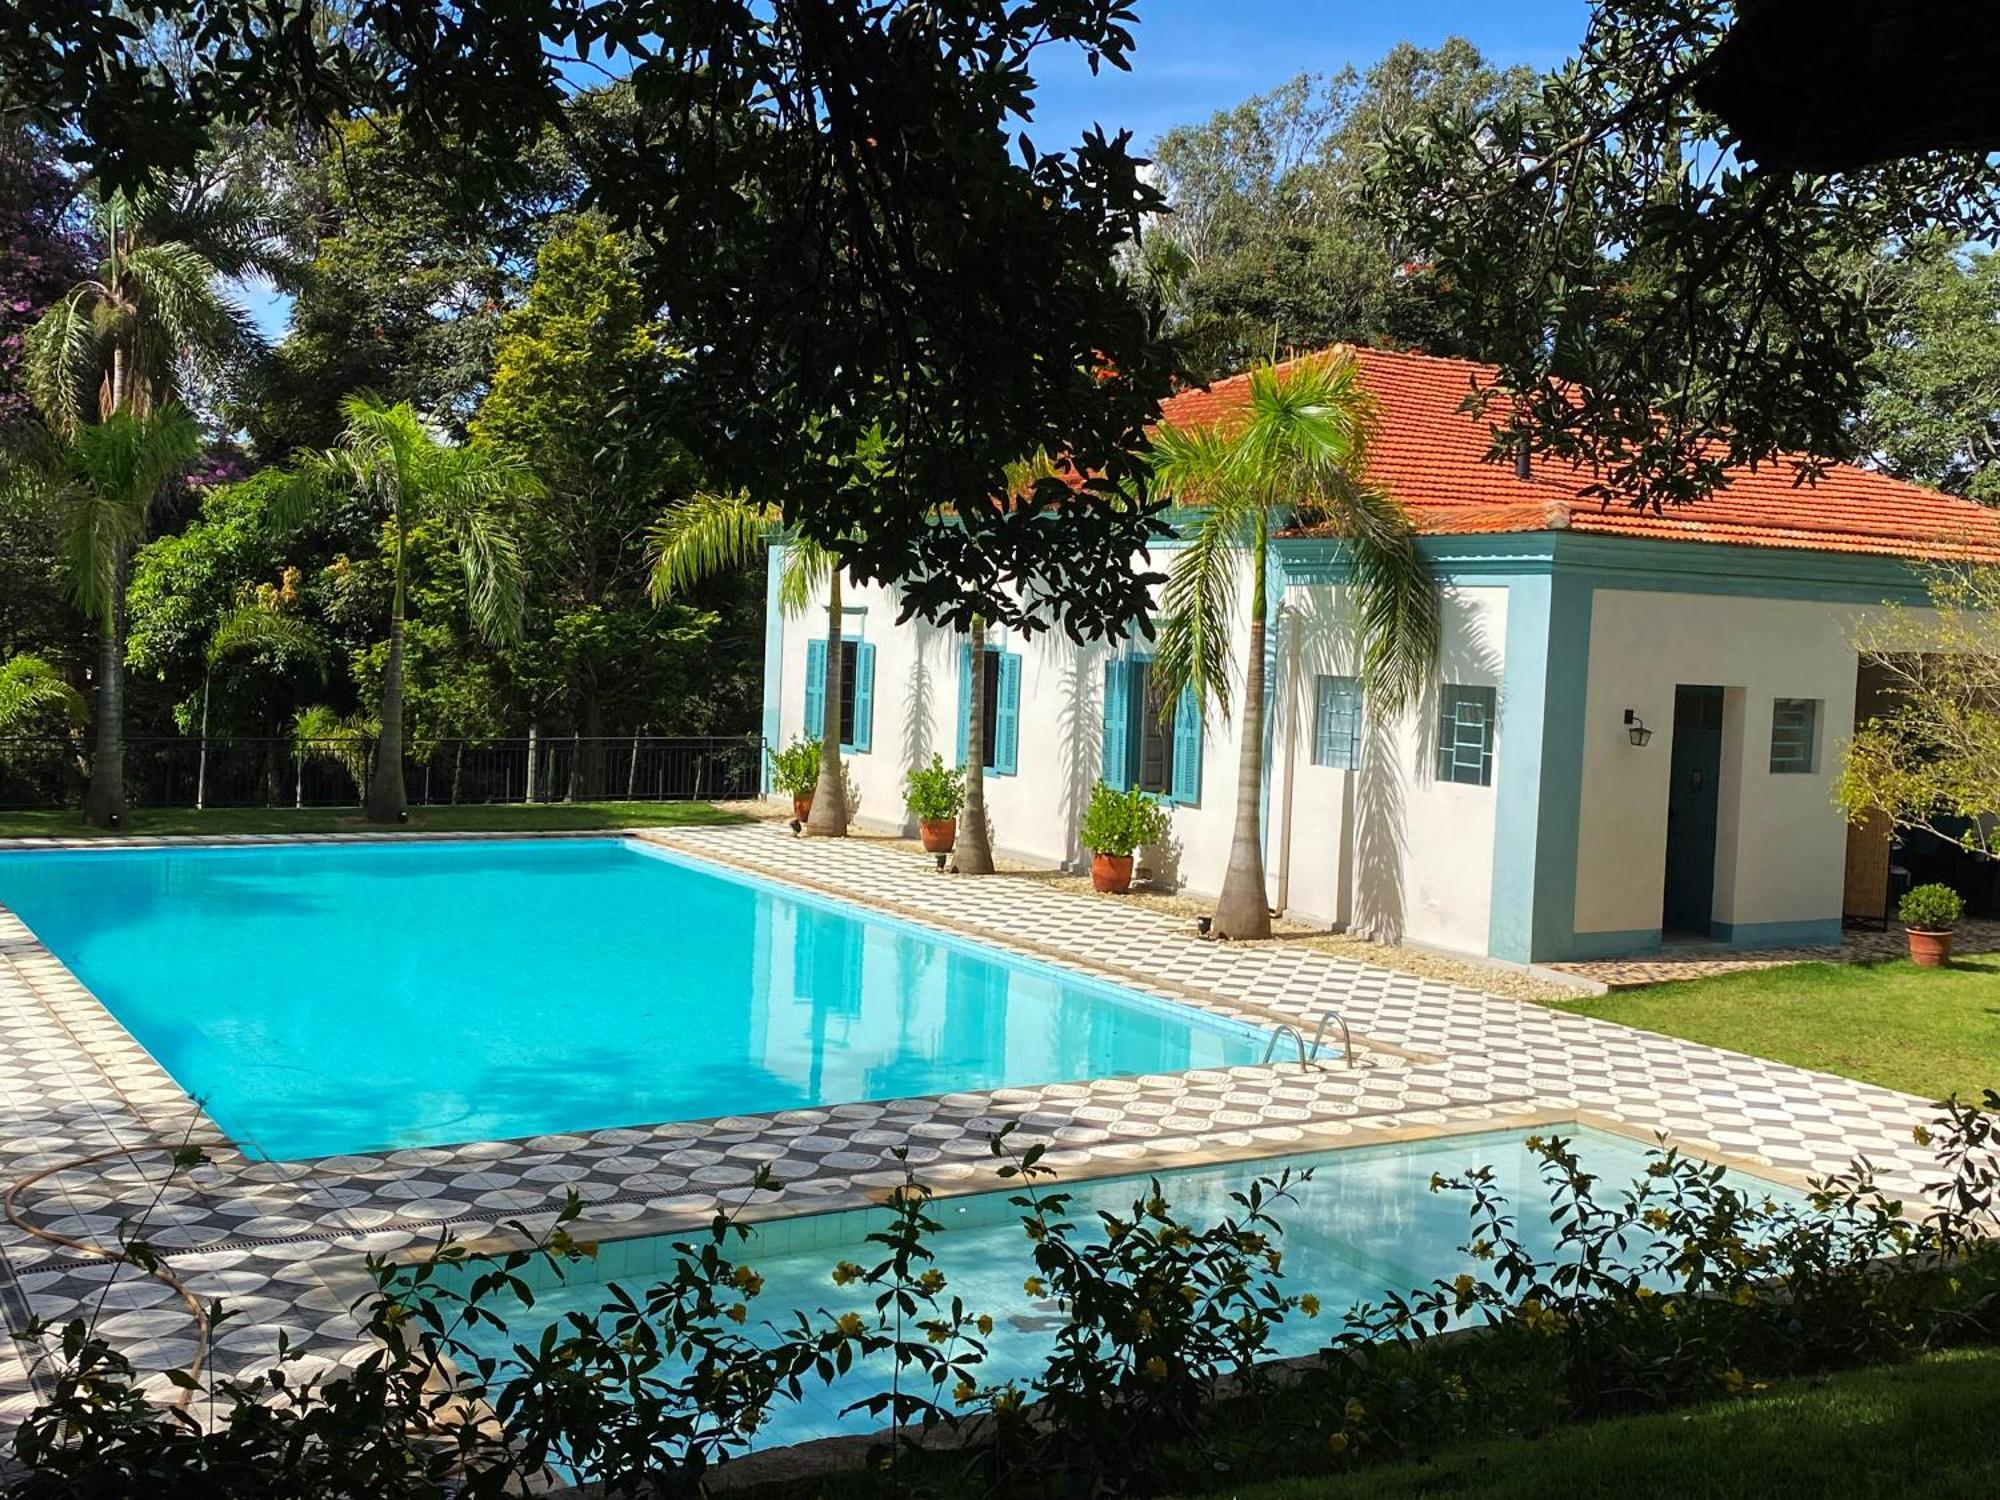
1116 1126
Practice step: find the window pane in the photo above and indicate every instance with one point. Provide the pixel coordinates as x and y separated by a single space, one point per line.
1465 734
1337 723
1154 739
989 705
849 651
1794 733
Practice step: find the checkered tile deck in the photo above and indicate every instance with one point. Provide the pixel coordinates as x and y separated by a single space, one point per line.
88 1120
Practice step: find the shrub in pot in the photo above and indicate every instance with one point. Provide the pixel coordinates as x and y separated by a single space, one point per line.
1929 913
795 772
936 796
1114 824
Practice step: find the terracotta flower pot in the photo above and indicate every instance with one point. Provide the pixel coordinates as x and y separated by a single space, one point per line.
938 834
1111 873
802 806
1929 950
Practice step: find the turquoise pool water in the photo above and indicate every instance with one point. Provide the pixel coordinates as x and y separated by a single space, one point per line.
323 999
1366 1224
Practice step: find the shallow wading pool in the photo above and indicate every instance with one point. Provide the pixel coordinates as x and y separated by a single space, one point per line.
1366 1223
333 998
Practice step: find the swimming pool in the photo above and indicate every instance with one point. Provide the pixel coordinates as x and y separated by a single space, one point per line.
1366 1224
334 998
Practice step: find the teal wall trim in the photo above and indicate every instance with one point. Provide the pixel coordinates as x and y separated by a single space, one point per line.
1634 943
1539 776
1821 933
774 653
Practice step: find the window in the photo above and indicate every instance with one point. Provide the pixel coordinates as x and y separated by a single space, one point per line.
1794 736
857 692
1156 752
1337 723
1465 734
999 681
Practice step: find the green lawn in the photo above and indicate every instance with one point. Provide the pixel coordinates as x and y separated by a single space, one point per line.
1924 1428
1925 1031
495 818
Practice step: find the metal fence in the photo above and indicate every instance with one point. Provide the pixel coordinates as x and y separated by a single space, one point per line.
283 772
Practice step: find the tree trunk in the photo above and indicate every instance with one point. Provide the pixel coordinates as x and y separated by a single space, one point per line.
104 799
387 801
829 809
1244 909
534 749
975 843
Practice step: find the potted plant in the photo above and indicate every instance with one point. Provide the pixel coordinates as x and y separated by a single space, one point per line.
1114 824
1929 913
936 796
795 771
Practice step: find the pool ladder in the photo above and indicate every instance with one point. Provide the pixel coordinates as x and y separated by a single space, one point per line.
1310 1050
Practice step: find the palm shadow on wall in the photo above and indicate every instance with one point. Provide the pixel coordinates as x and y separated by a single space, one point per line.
1081 729
919 706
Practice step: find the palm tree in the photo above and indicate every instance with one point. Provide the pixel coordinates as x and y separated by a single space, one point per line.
249 628
714 533
388 456
318 733
1299 449
151 322
100 486
30 691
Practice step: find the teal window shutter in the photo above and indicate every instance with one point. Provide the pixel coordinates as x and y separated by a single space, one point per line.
815 688
964 699
1117 724
1007 718
864 697
1187 749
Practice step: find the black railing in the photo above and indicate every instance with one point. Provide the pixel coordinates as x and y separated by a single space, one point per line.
283 772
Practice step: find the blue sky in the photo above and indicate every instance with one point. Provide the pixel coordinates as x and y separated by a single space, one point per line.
1195 57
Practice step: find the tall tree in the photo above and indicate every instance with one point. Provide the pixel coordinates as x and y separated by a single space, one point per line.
388 457
836 206
598 650
709 534
99 487
1271 246
1299 451
42 254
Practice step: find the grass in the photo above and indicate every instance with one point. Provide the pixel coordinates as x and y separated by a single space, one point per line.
1921 1428
553 817
1924 1031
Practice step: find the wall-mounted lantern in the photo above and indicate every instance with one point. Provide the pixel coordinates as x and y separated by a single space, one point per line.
1636 728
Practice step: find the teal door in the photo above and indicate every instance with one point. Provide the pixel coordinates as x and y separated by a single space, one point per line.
1697 766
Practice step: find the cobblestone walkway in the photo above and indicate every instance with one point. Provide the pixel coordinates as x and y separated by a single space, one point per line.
87 1119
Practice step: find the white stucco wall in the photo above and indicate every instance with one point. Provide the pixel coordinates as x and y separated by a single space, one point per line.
1386 849
1781 842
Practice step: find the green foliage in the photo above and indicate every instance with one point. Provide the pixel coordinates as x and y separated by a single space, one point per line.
1270 247
1116 822
935 791
795 768
1930 908
33 695
1661 309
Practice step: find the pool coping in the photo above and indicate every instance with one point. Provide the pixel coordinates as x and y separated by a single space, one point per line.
1103 1128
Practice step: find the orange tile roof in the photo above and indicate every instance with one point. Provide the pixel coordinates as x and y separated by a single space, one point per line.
1431 457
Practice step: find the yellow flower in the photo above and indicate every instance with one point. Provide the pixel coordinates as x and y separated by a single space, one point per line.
1745 1297
932 1280
1920 1135
1144 1321
1309 1305
1338 1442
1155 1369
937 1333
1656 1218
1033 1286
1354 1412
1732 1381
1482 1250
748 1280
738 1313
846 1273
985 1325
1437 1182
963 1392
1463 1288
850 1324
1456 1385
1007 1400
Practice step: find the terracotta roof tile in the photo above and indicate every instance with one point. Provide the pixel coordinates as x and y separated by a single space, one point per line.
1431 457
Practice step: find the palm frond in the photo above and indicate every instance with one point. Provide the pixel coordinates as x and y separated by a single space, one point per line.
495 580
1396 598
252 627
30 690
1198 606
187 320
808 566
63 360
115 468
705 534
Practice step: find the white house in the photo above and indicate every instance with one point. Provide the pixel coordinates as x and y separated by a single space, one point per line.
1632 736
